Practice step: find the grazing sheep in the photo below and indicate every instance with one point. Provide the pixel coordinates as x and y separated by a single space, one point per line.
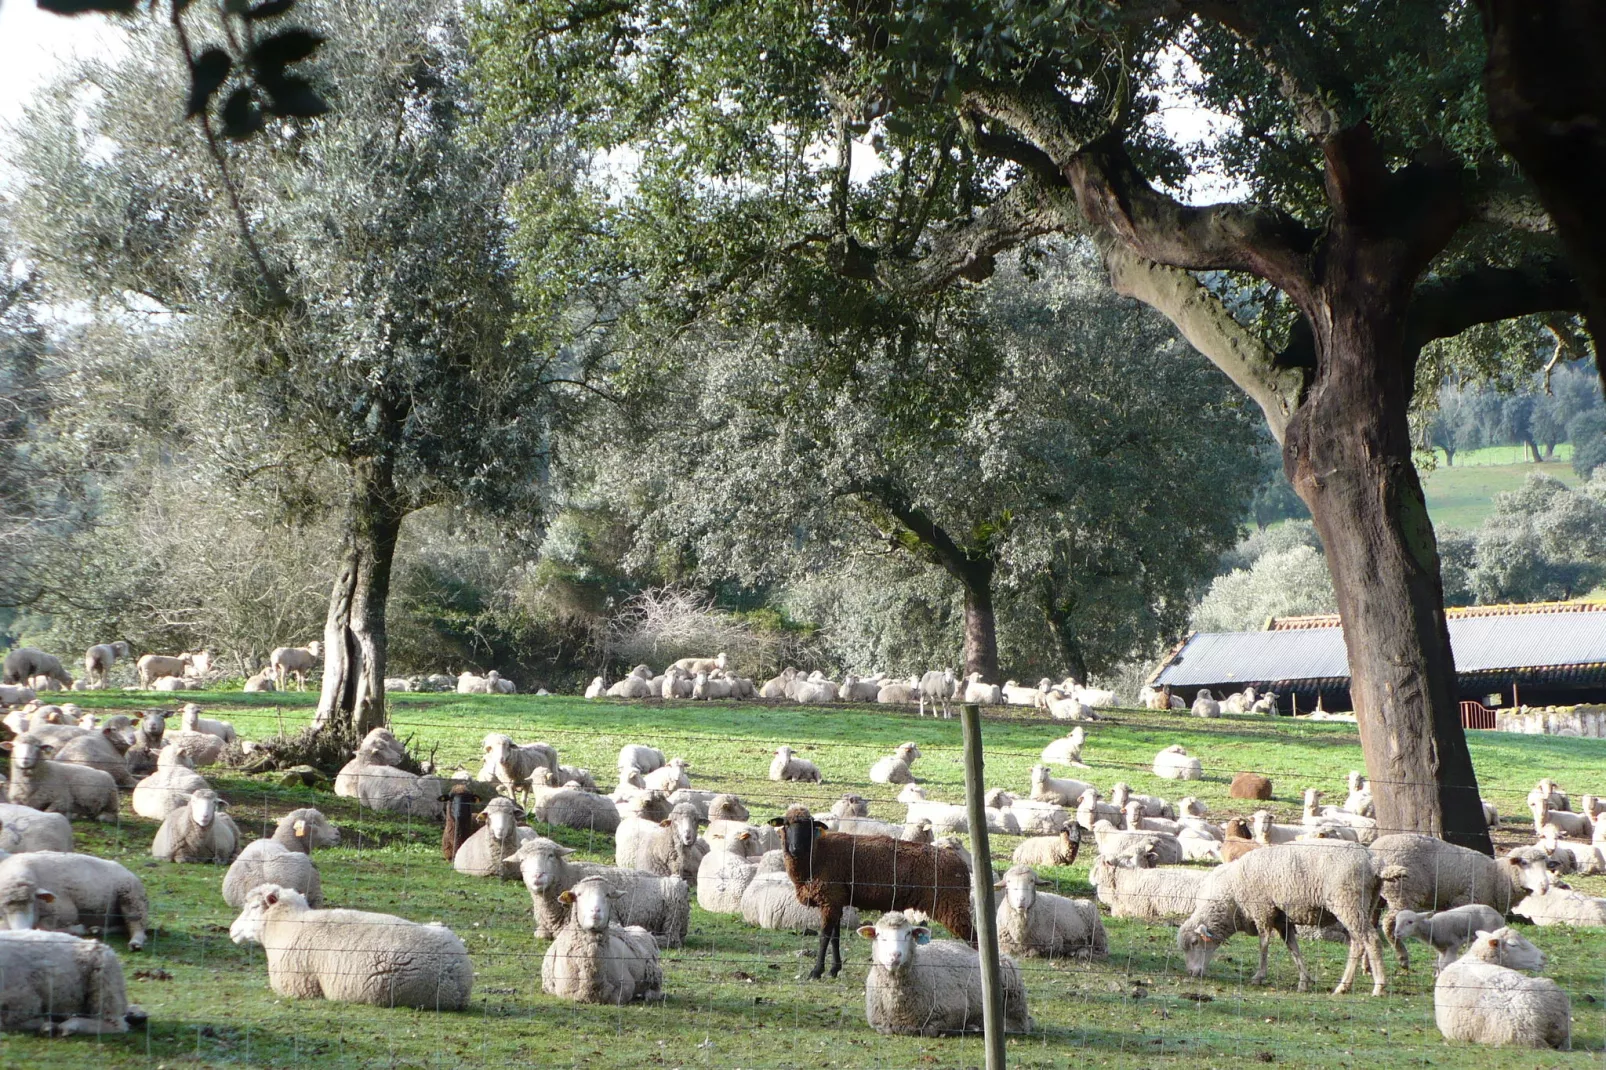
57 984
154 667
661 905
670 848
25 665
592 960
936 687
833 871
1174 763
1481 998
1039 924
72 893
461 806
1559 906
1447 931
101 748
489 852
1250 786
1067 750
1061 790
1205 704
198 832
1425 873
270 862
923 987
99 659
297 661
894 768
201 748
1270 892
511 765
168 788
57 787
786 766
22 828
191 720
354 956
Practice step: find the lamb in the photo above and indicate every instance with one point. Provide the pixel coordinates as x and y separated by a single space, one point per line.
102 748
297 661
642 758
83 892
58 787
980 693
201 748
1482 998
154 667
55 983
1034 923
1557 906
270 862
669 849
833 871
786 766
460 802
1174 763
489 852
1270 832
671 776
1572 824
168 788
1447 931
1048 788
662 905
1271 891
1585 859
354 956
945 818
197 832
99 659
1060 850
592 960
1090 810
192 721
1250 786
1121 793
1205 704
920 987
22 828
894 768
1067 750
25 665
511 765
727 870
1424 873
936 688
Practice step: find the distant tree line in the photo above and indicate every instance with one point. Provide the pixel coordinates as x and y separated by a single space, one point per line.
1546 411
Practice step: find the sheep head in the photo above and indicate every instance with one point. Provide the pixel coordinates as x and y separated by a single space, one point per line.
799 831
893 941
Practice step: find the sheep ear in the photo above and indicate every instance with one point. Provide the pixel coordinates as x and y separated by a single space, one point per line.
45 895
867 931
664 823
6 746
616 893
922 935
566 897
481 817
744 835
821 826
774 822
271 898
565 852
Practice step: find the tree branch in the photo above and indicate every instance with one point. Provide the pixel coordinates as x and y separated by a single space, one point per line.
1319 94
1444 307
969 567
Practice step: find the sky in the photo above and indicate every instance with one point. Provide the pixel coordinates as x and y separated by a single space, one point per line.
34 43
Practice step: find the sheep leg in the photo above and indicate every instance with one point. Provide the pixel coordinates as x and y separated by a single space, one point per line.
1374 951
1291 938
1399 945
1265 948
826 922
836 944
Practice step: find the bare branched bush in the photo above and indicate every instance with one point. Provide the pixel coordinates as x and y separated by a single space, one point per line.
664 624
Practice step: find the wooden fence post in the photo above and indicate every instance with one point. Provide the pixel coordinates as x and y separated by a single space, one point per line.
982 884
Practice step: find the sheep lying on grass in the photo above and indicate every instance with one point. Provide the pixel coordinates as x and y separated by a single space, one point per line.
491 851
1558 906
73 893
770 900
54 983
58 787
168 788
269 862
1060 850
670 848
894 768
197 832
354 956
1481 998
787 766
1040 924
192 721
918 986
201 748
727 869
593 960
22 828
1067 750
661 905
1132 886
1174 763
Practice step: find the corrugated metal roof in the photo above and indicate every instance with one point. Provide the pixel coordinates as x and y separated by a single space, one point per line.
1452 613
1481 644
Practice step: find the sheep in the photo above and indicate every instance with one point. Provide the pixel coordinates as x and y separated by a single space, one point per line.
670 848
1270 832
1048 788
899 692
191 720
1557 906
980 693
894 768
84 892
270 862
1033 818
1447 931
489 852
102 748
936 687
197 832
1067 750
945 818
1481 997
662 905
25 665
263 681
597 688
1038 924
1358 798
297 661
141 757
1572 824
56 983
1174 763
202 748
572 807
671 776
1424 873
461 803
1585 859
786 766
16 694
833 871
1265 704
1551 793
1112 841
676 684
1237 840
814 692
920 987
58 787
177 683
640 757
1239 702
1250 786
593 960
374 780
727 870
1272 891
168 788
693 666
1205 704
1090 810
854 689
354 956
22 828
511 765
302 830
1121 793
1069 708
1349 826
1059 850
698 799
99 659
154 667
1136 822
1152 698
1133 887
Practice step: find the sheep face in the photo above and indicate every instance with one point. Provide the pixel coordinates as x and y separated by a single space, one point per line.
799 830
1506 948
314 829
21 903
541 865
1019 886
1198 945
247 928
893 941
912 793
908 752
728 807
851 806
204 805
26 754
503 817
591 903
683 820
1530 870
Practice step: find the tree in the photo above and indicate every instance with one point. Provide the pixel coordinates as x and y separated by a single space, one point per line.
380 357
1285 583
1587 433
1379 219
1543 542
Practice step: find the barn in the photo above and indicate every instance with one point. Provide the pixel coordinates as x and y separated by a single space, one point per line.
1537 654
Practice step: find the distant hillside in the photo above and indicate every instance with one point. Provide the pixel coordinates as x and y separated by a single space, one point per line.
1461 496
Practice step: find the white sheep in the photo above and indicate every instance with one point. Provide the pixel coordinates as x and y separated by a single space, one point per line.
354 956
1549 791
198 832
16 695
168 788
1040 924
936 687
894 768
982 694
592 960
1174 763
271 862
1098 698
1560 906
100 748
1035 818
99 659
373 779
1481 998
1585 859
918 986
511 765
154 667
661 905
597 688
856 689
640 757
490 851
57 983
1046 787
669 848
1091 809
1067 750
671 776
1205 704
630 687
1358 799
945 818
58 787
22 828
191 720
297 661
201 748
72 893
571 806
727 869
899 692
787 766
1113 841
379 747
814 692
1575 825
1062 707
1121 793
676 684
1447 931
263 681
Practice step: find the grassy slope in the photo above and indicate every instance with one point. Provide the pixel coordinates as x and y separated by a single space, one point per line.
1462 496
734 997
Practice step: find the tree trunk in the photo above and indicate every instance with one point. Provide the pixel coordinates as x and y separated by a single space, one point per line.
1348 453
1070 644
981 628
1449 456
354 631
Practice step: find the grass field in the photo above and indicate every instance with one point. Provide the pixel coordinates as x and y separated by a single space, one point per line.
1462 496
734 995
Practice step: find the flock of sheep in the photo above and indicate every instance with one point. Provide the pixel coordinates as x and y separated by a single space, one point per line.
1333 875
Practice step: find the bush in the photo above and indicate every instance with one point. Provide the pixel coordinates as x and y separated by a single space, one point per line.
1587 433
661 625
1285 583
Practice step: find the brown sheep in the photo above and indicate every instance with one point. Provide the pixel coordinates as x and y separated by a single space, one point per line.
1239 840
835 870
460 803
1250 786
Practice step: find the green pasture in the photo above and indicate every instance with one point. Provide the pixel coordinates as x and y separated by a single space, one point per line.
735 996
1462 496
